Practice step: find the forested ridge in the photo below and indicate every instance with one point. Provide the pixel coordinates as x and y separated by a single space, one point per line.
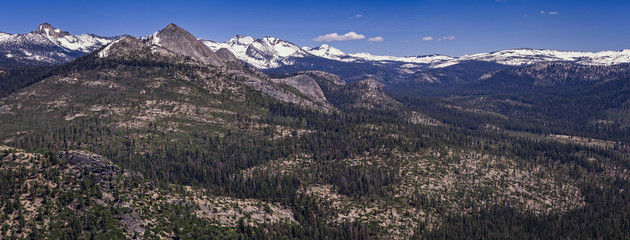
354 173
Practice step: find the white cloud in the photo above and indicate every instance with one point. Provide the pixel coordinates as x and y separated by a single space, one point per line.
549 13
357 16
336 37
428 38
447 38
376 39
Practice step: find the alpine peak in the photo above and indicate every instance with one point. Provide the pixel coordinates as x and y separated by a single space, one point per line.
242 40
271 39
182 42
49 30
327 50
173 27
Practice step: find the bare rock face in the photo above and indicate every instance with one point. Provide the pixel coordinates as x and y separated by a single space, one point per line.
370 85
122 46
182 42
325 78
102 171
226 55
369 94
307 85
49 30
129 47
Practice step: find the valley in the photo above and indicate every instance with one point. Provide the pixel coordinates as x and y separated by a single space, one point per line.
173 137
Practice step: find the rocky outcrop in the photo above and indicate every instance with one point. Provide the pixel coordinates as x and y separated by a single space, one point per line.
101 170
105 174
368 94
306 85
123 46
325 80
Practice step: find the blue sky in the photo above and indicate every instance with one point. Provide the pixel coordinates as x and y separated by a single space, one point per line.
456 27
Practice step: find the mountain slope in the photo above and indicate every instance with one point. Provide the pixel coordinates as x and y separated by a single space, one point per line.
131 74
558 74
98 198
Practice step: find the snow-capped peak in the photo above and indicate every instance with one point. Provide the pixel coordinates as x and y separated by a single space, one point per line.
4 36
265 53
241 40
48 45
327 51
84 43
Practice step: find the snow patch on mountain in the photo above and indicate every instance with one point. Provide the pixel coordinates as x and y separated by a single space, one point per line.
428 59
329 52
105 52
154 38
85 42
4 36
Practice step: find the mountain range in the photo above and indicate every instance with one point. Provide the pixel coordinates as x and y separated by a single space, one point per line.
50 46
270 53
273 55
46 46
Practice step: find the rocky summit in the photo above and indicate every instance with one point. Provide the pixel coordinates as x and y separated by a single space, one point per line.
182 42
